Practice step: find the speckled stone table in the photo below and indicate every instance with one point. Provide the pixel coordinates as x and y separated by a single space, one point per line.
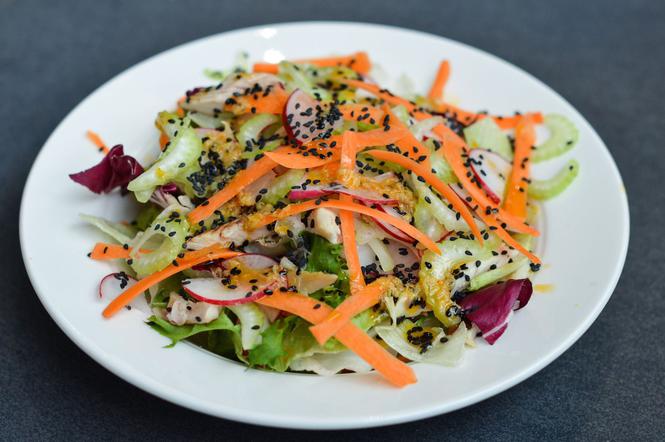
607 58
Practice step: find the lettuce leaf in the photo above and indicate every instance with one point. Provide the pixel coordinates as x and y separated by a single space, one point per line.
177 333
285 340
327 257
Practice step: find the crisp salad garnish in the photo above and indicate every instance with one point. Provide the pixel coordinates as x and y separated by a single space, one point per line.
301 217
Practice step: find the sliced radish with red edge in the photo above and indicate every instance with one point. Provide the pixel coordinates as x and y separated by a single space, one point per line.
305 119
212 291
492 172
113 284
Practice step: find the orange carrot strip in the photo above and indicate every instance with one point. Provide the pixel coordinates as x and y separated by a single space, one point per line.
347 226
353 142
454 149
305 206
163 140
390 98
379 137
384 94
342 315
180 112
97 141
436 91
359 62
365 112
105 251
347 160
408 143
295 160
433 181
515 200
309 155
461 115
240 181
511 122
273 103
491 221
191 259
313 311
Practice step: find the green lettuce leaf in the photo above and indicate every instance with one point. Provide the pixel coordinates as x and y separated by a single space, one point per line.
177 333
285 340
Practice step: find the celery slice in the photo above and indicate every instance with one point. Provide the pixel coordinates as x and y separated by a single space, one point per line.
282 185
171 227
563 137
488 135
546 189
175 163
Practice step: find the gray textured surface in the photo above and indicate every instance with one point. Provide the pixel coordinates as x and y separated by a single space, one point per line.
605 57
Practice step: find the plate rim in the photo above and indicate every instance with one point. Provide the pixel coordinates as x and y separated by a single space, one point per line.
177 397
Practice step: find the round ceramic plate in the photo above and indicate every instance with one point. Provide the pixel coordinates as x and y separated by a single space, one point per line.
583 246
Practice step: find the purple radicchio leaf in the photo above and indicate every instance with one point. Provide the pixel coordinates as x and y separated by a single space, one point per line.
491 308
115 170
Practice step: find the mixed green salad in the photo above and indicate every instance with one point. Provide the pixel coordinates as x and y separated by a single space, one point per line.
300 217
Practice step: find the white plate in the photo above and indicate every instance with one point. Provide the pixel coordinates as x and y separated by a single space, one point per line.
584 245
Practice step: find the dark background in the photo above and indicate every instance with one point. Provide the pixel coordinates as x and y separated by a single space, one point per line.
607 58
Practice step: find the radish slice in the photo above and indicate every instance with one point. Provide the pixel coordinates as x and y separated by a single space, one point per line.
492 171
306 120
253 261
212 291
389 229
407 261
365 196
113 284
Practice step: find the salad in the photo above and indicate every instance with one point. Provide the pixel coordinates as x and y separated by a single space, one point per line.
299 217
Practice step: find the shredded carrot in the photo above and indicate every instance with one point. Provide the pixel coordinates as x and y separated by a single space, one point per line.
97 141
313 311
518 184
454 149
353 142
433 181
190 259
272 103
360 112
461 115
105 251
312 154
163 140
356 303
384 94
492 222
379 137
511 122
305 206
439 84
359 62
347 162
457 113
408 143
240 181
347 226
